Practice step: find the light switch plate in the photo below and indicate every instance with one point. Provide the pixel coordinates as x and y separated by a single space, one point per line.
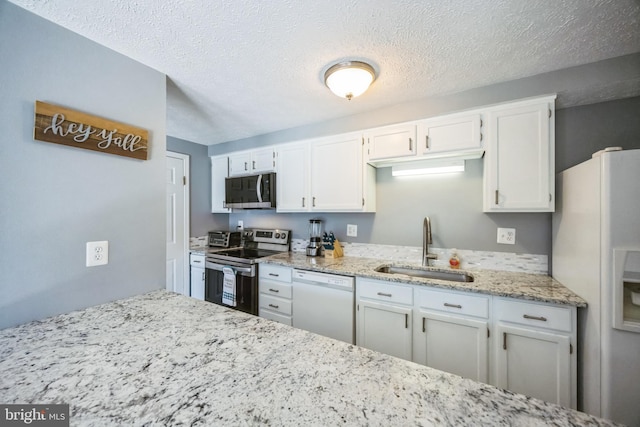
352 230
507 236
97 253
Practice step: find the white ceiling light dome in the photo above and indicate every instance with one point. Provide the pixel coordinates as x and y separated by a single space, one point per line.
349 79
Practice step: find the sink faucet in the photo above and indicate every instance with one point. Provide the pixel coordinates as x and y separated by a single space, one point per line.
426 241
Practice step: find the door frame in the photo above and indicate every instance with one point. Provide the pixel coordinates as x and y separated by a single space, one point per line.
187 212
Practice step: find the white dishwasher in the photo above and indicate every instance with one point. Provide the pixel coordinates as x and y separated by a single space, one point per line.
324 303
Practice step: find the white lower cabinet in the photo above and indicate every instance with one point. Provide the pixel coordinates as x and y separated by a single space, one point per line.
526 347
534 350
384 317
197 261
275 298
451 333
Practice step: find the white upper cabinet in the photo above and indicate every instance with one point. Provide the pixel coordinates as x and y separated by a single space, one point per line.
451 135
391 142
292 178
325 175
254 161
519 164
337 174
219 171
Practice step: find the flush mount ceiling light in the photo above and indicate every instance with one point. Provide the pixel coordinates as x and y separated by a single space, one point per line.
350 78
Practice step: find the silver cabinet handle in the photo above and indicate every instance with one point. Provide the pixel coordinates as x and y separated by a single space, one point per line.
274 290
245 165
426 141
504 340
540 318
446 304
382 294
253 164
406 321
303 202
410 144
273 305
274 275
313 202
203 276
424 329
496 197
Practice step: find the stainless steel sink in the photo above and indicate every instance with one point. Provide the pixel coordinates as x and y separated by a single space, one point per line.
454 276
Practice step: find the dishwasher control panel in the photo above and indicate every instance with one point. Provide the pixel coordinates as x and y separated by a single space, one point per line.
323 278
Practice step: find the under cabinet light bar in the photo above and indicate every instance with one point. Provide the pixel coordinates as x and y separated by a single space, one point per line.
427 167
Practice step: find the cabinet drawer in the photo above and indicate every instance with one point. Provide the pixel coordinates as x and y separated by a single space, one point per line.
197 260
269 287
280 318
530 314
384 291
279 305
470 305
275 272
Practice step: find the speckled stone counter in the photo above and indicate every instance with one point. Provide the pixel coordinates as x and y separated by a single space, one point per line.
533 287
167 359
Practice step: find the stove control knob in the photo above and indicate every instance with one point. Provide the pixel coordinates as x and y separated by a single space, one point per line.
283 235
277 235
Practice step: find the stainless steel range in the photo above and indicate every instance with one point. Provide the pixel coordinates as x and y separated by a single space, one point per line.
243 261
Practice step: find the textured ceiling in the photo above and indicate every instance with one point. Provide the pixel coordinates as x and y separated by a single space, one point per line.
243 68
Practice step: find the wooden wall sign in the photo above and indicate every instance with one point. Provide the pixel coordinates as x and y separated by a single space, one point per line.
73 128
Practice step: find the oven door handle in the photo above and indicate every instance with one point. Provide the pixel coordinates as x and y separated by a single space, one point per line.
259 188
219 267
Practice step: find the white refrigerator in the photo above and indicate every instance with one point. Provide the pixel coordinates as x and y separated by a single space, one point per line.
596 253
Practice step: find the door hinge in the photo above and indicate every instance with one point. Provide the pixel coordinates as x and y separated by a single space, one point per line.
184 180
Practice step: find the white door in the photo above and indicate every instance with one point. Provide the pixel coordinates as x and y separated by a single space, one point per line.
177 223
384 328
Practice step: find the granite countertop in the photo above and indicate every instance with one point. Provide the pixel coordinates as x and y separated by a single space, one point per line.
166 359
532 287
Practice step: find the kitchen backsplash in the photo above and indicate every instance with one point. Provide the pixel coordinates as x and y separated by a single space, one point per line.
503 261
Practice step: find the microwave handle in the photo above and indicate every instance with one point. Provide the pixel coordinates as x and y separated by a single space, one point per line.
259 188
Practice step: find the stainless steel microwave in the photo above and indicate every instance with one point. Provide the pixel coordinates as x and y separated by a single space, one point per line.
250 192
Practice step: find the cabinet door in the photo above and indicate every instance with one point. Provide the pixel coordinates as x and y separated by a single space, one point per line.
240 163
455 133
391 142
519 159
263 160
534 363
219 171
452 344
197 282
337 174
385 328
292 179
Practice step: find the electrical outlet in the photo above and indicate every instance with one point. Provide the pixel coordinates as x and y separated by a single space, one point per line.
240 225
97 253
352 230
507 236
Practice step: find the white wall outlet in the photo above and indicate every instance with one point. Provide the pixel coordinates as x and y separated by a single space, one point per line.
240 225
97 253
352 230
507 236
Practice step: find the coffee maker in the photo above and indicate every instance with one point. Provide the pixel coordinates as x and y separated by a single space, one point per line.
315 238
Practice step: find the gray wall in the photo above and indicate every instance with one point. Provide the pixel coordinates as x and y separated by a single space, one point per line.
581 131
201 220
56 198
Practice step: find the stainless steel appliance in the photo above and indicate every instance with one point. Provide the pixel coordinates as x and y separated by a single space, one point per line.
250 192
258 243
315 238
224 239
